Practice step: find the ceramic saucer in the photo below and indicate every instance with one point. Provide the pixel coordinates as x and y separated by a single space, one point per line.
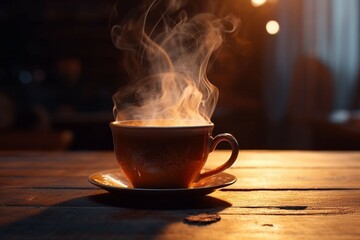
114 181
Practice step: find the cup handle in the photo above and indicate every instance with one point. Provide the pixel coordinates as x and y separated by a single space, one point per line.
213 143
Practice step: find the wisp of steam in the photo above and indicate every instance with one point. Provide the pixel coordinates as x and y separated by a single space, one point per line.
167 53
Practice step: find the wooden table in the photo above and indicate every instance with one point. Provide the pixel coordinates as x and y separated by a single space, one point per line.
278 195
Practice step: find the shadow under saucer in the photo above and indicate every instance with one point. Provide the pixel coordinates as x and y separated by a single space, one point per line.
201 203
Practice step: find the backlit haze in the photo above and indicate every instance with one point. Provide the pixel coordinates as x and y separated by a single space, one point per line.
167 54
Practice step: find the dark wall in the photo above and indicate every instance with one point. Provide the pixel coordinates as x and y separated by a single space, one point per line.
59 69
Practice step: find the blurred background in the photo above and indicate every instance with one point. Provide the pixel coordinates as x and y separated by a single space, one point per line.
288 80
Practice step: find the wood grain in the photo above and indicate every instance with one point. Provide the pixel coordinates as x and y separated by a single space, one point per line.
279 194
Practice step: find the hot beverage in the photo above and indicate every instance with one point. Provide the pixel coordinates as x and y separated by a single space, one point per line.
166 153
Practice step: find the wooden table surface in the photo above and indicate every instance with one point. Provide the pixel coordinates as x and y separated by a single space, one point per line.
278 195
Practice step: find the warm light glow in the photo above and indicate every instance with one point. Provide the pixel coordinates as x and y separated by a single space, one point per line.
257 3
272 27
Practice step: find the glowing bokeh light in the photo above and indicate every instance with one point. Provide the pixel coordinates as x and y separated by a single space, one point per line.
257 3
272 27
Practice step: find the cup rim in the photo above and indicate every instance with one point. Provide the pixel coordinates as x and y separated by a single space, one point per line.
201 125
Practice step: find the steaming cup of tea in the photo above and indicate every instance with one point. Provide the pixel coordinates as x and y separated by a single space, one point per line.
158 154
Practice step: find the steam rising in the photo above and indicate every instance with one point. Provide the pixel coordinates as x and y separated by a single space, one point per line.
166 54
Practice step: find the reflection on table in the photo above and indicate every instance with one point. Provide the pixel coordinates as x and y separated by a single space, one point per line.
278 195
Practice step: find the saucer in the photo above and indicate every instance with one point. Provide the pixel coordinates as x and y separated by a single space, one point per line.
115 181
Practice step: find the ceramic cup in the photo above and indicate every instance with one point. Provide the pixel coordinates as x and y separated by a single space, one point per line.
155 156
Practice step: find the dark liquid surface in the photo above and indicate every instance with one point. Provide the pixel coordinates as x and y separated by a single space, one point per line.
162 123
